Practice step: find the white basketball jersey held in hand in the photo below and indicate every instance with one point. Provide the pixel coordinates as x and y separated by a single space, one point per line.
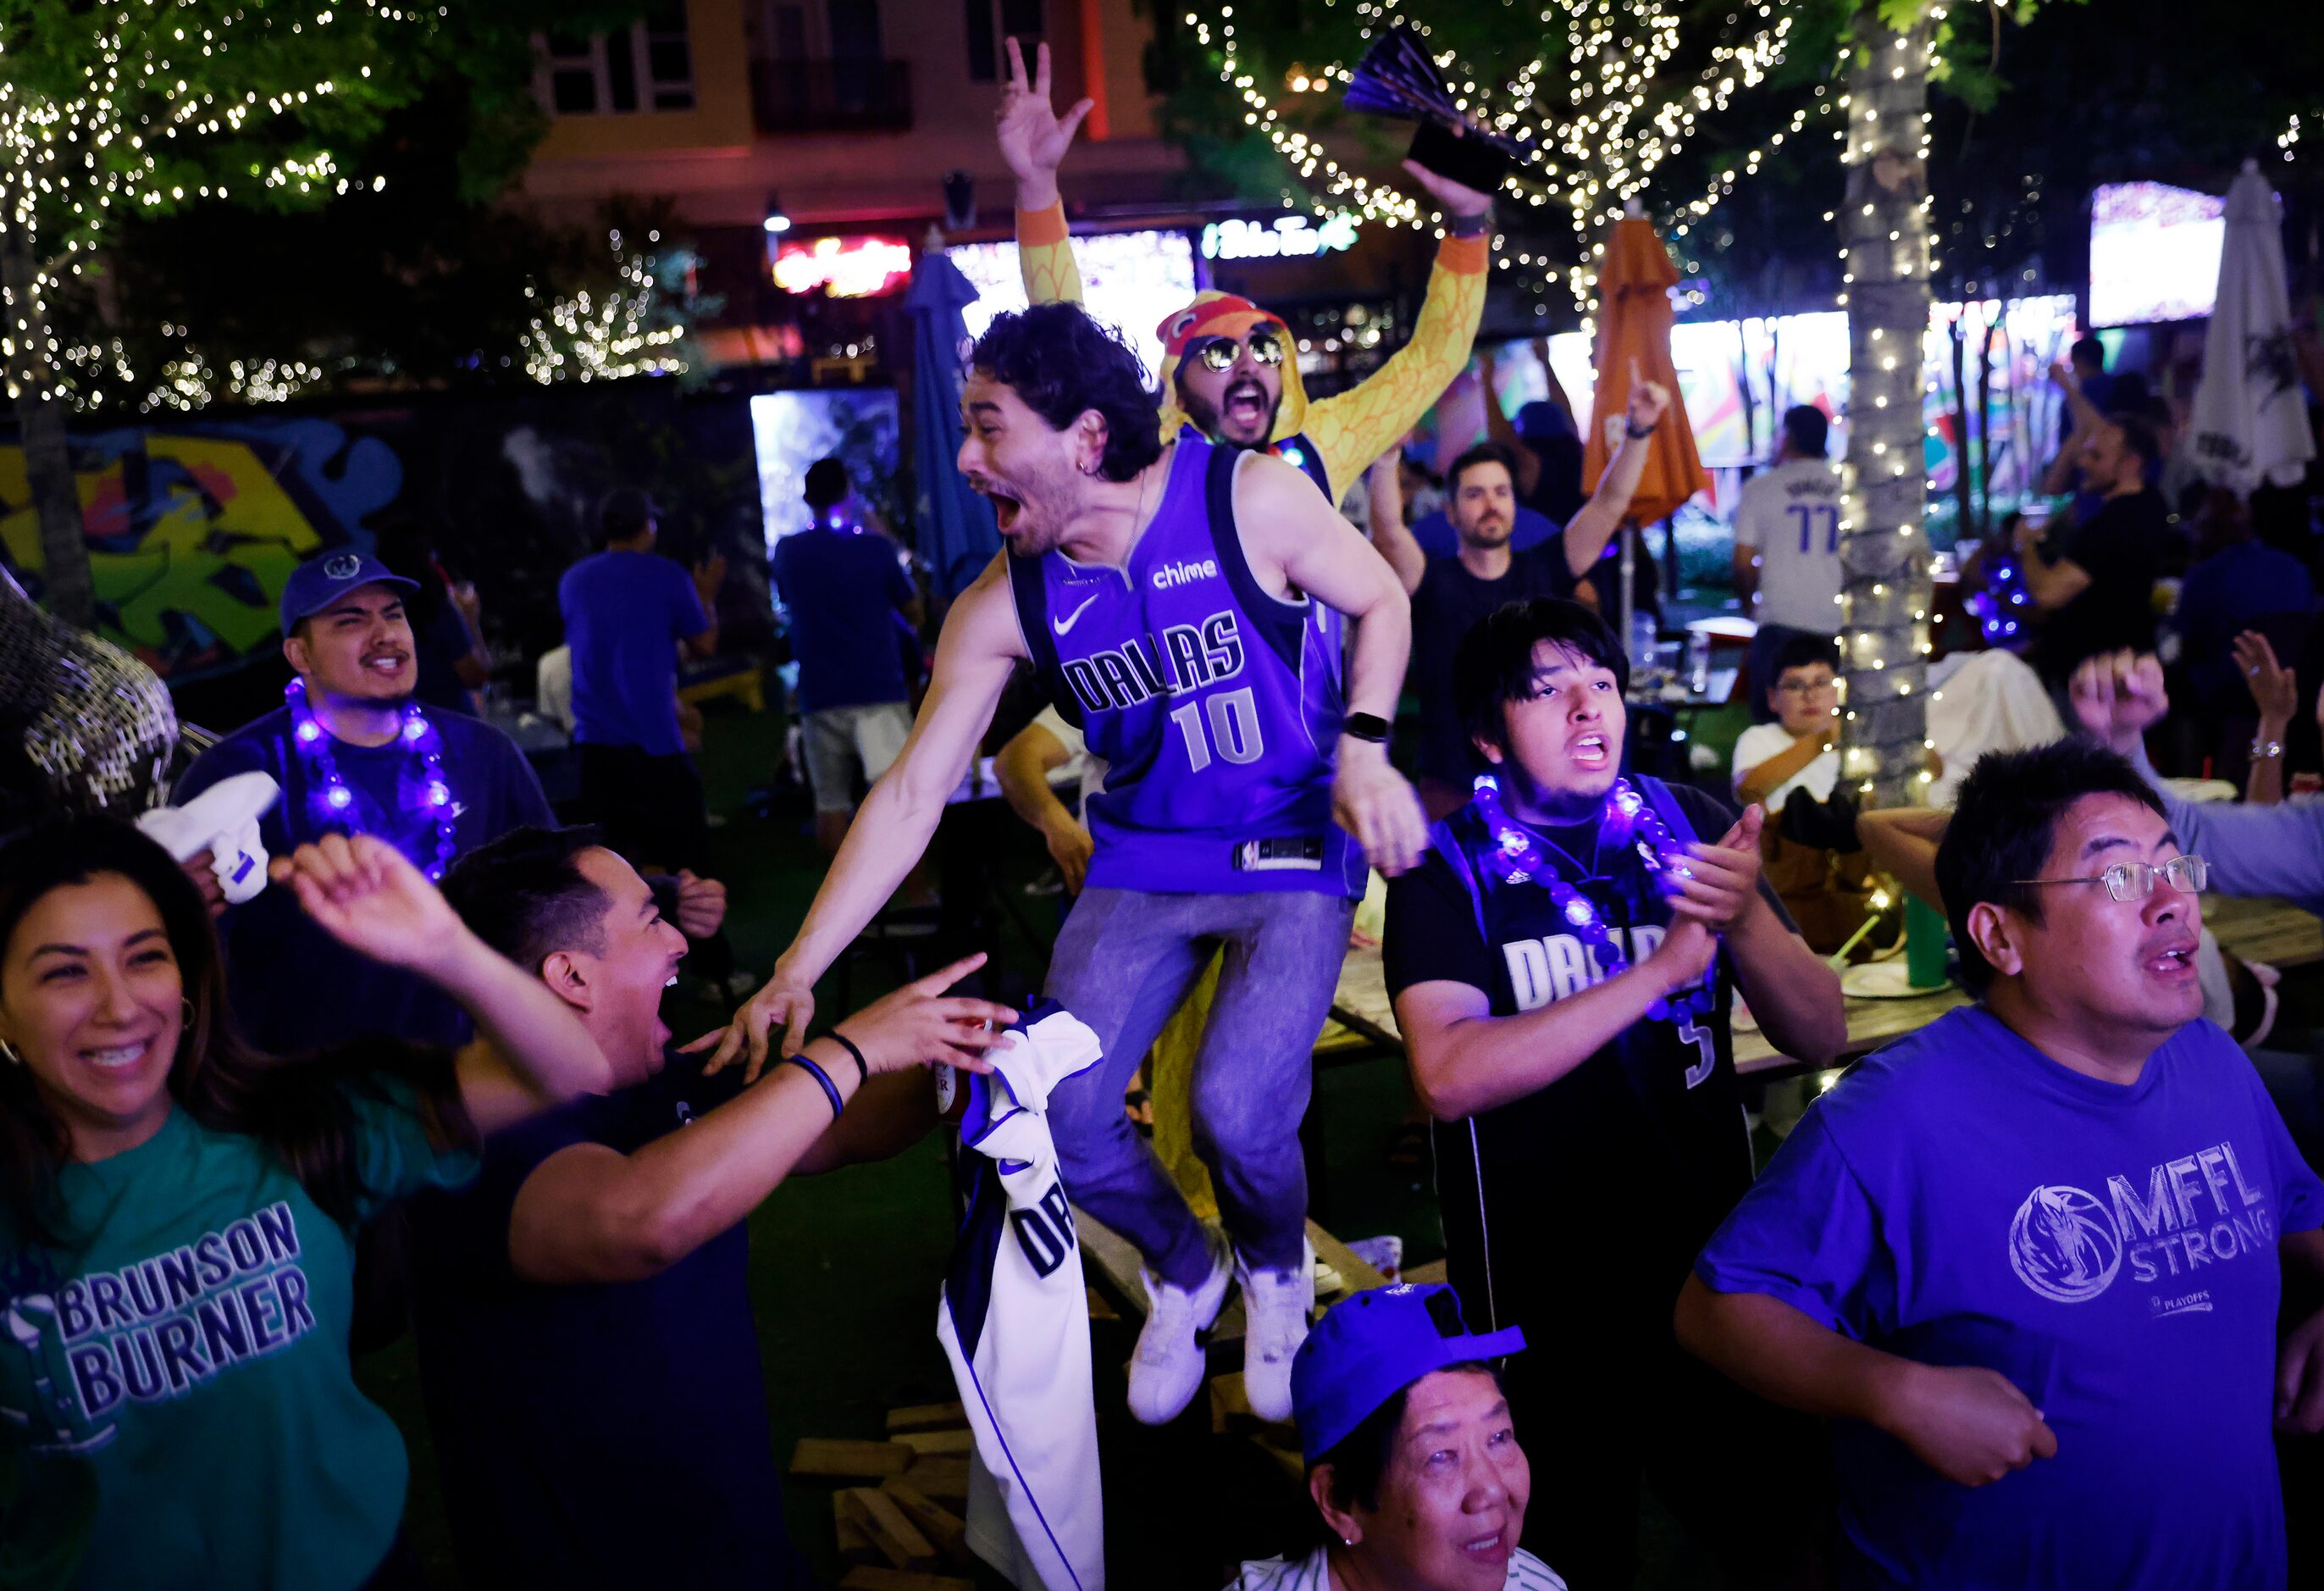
1014 1320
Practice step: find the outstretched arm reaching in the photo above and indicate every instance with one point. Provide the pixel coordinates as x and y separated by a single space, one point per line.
974 656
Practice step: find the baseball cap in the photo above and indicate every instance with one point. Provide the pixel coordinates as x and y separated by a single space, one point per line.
1369 1347
318 582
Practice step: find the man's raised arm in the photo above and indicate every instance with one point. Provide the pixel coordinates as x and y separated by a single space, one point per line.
1594 524
974 656
1033 141
1352 429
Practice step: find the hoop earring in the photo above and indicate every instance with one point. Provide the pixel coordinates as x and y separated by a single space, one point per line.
188 1001
9 1051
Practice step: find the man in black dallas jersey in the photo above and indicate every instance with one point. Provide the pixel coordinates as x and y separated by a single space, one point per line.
1563 964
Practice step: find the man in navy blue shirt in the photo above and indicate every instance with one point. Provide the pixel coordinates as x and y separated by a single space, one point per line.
2029 1259
587 1347
292 987
626 613
852 612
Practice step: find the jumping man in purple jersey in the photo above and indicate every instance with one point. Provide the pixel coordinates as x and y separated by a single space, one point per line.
1169 595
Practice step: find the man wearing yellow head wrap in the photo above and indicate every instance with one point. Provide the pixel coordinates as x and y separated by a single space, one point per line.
1230 368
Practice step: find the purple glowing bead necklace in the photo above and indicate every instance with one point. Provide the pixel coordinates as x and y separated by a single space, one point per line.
1629 820
331 801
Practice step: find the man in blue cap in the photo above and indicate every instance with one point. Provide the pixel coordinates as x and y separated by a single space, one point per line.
356 754
1415 1471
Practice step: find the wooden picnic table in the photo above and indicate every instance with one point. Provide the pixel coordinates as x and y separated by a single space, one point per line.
2256 929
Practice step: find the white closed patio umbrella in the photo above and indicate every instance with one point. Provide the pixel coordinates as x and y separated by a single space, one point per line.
2250 424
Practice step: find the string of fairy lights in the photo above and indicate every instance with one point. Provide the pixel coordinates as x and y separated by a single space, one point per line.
605 337
121 138
1603 155
1884 636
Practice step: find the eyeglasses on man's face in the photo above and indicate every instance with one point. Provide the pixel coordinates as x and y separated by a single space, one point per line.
1221 352
2135 881
1805 686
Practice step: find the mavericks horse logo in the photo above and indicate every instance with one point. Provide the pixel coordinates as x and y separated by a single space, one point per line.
2063 1245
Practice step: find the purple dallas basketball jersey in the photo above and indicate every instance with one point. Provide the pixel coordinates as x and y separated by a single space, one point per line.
1216 706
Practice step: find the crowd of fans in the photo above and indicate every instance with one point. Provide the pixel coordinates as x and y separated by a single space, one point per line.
2019 1301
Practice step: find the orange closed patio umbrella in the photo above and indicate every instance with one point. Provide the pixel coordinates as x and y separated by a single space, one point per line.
1634 345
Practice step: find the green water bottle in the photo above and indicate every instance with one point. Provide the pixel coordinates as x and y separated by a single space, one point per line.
1925 941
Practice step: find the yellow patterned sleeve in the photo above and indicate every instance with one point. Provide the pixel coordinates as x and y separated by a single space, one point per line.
1046 256
1352 429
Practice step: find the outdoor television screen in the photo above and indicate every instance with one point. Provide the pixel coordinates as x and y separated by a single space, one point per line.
1132 281
2155 253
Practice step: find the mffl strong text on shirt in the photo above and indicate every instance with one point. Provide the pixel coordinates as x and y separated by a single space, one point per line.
2195 1211
160 1327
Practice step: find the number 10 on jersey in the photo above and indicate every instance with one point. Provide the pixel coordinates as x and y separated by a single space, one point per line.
1232 729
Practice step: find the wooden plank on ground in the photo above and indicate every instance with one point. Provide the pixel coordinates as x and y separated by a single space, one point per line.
865 1577
943 1478
894 1533
854 1541
939 1524
820 1457
927 1416
1425 1275
937 1441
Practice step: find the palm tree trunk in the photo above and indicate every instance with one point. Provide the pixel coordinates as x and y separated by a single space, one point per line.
68 588
1885 600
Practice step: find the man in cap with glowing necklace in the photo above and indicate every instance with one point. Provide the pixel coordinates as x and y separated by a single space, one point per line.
1563 964
1229 369
356 754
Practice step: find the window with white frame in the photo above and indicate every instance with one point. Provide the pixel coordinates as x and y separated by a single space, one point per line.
647 66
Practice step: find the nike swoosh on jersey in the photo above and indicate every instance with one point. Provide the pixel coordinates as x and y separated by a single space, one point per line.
1061 626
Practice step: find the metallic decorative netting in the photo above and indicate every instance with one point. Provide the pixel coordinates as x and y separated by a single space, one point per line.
97 726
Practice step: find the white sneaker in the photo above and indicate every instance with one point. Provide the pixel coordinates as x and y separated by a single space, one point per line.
1275 1305
1169 1365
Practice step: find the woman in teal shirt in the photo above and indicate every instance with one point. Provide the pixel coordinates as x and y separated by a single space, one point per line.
177 1214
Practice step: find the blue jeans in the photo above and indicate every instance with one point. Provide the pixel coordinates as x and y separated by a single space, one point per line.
1124 960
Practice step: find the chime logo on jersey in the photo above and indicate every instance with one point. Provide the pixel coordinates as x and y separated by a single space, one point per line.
1187 658
156 1329
2196 1210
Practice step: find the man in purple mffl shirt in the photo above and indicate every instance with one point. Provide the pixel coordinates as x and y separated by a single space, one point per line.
2030 1258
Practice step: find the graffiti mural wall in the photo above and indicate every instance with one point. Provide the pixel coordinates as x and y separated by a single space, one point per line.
191 535
194 526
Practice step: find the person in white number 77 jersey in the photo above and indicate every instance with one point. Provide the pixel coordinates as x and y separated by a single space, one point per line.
1563 966
1787 547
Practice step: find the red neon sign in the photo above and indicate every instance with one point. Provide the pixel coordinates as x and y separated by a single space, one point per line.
847 267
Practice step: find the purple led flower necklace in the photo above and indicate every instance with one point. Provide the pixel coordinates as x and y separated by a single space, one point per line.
1630 820
331 801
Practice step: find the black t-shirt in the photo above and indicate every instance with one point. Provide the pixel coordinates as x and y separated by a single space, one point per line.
2121 549
1575 1211
597 1434
1448 603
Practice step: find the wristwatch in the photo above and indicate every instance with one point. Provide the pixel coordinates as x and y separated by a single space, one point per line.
1475 226
2267 748
1368 726
1634 433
